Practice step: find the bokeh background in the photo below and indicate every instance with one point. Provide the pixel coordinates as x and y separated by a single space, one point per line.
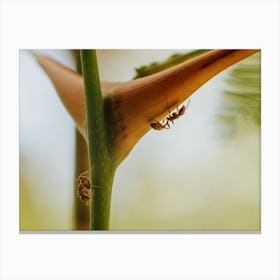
201 175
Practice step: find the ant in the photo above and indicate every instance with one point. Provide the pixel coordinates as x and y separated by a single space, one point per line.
83 188
178 113
170 118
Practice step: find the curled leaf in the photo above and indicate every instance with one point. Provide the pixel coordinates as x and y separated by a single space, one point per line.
131 106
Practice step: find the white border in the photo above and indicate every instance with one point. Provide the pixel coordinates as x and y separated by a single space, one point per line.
158 24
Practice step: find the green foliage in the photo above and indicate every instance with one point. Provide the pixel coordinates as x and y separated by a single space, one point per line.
174 59
242 99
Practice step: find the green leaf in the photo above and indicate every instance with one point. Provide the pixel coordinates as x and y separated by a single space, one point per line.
174 59
242 99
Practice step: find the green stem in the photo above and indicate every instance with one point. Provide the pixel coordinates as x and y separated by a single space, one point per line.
102 165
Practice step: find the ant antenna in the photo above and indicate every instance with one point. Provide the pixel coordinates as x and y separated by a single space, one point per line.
168 107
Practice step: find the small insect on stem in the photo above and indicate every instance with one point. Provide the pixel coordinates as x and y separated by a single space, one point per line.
84 188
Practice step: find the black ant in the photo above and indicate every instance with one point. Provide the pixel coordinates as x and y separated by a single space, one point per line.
178 113
170 118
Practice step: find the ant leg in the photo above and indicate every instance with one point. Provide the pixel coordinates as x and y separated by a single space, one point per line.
166 125
84 173
97 187
169 112
189 100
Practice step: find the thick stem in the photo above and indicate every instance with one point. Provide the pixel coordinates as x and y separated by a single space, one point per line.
101 161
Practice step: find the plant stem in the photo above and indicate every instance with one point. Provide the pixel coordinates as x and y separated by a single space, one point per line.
81 217
102 165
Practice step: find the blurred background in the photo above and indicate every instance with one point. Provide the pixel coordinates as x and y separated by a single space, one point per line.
202 174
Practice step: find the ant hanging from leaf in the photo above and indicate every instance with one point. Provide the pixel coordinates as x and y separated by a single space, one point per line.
170 118
178 113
